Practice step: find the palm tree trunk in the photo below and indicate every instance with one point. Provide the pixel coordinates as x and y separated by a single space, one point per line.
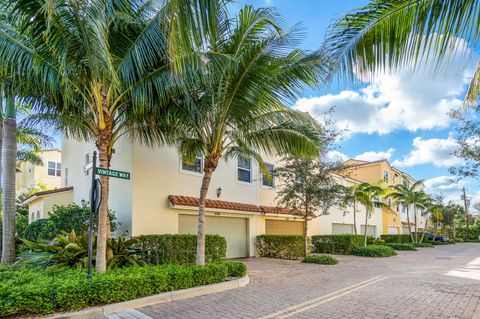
103 221
435 229
207 177
306 249
9 155
366 226
454 230
409 228
424 229
415 220
355 217
1 140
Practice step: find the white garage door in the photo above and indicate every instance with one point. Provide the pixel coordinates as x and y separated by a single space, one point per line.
371 230
233 229
392 230
283 227
338 229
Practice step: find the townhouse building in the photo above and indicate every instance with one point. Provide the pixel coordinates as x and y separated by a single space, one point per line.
49 174
394 215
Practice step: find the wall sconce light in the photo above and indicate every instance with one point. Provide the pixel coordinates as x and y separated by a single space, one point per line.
219 192
83 202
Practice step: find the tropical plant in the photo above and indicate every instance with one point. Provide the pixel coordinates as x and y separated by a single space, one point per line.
97 70
353 195
122 253
69 250
250 72
401 33
410 196
450 214
306 187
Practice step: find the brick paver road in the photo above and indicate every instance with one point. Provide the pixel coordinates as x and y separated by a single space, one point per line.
443 282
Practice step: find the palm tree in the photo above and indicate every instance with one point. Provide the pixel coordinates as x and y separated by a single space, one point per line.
398 33
370 195
410 196
249 74
98 70
351 196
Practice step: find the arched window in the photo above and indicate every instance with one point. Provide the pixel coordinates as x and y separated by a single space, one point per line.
32 219
38 214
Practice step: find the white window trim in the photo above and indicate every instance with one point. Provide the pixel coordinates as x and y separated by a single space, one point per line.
251 173
189 172
273 178
388 177
55 169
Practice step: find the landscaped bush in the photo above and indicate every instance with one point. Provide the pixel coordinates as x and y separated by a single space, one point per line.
338 244
450 241
38 229
436 243
401 246
403 238
235 268
423 245
31 290
320 259
374 251
280 246
180 249
378 242
459 240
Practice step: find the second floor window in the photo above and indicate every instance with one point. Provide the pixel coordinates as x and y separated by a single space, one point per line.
385 176
54 169
194 166
244 170
268 180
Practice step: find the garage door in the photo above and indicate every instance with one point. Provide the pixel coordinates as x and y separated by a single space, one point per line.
283 227
371 230
392 230
338 229
233 229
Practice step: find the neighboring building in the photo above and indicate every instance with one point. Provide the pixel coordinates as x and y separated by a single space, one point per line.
29 175
41 203
395 217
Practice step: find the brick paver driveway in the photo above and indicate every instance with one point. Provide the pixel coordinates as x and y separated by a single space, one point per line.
443 282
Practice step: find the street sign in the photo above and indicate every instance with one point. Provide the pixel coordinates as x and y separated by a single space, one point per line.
112 173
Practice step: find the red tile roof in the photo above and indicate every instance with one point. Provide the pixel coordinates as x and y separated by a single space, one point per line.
220 204
51 191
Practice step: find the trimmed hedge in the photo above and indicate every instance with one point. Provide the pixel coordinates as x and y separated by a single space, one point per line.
374 251
403 238
26 291
179 249
451 241
423 245
320 259
280 246
338 244
235 268
401 246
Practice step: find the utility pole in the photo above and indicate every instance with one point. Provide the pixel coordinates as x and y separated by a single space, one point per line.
464 197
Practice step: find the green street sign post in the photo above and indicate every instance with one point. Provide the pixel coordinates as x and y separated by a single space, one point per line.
112 173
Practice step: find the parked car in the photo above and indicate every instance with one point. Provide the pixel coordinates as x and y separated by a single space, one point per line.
431 236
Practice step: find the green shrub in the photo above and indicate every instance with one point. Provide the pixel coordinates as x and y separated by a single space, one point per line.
280 246
436 243
374 251
378 242
403 238
451 241
38 229
472 240
423 245
338 244
179 249
459 240
25 291
401 246
320 259
235 268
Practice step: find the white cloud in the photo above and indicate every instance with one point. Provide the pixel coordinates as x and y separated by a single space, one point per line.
336 156
449 187
375 156
397 100
431 151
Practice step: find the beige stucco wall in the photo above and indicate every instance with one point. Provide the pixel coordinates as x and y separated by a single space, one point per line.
44 204
30 175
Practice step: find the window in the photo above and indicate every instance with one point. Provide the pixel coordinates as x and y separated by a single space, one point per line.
389 202
195 166
244 170
268 180
32 219
54 169
398 208
385 176
38 214
395 178
87 164
66 176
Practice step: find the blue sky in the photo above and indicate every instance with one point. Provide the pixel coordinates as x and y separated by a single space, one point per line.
400 116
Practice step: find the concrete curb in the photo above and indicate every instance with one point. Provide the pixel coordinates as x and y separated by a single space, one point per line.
156 299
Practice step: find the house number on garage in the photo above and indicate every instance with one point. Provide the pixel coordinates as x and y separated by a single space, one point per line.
112 173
